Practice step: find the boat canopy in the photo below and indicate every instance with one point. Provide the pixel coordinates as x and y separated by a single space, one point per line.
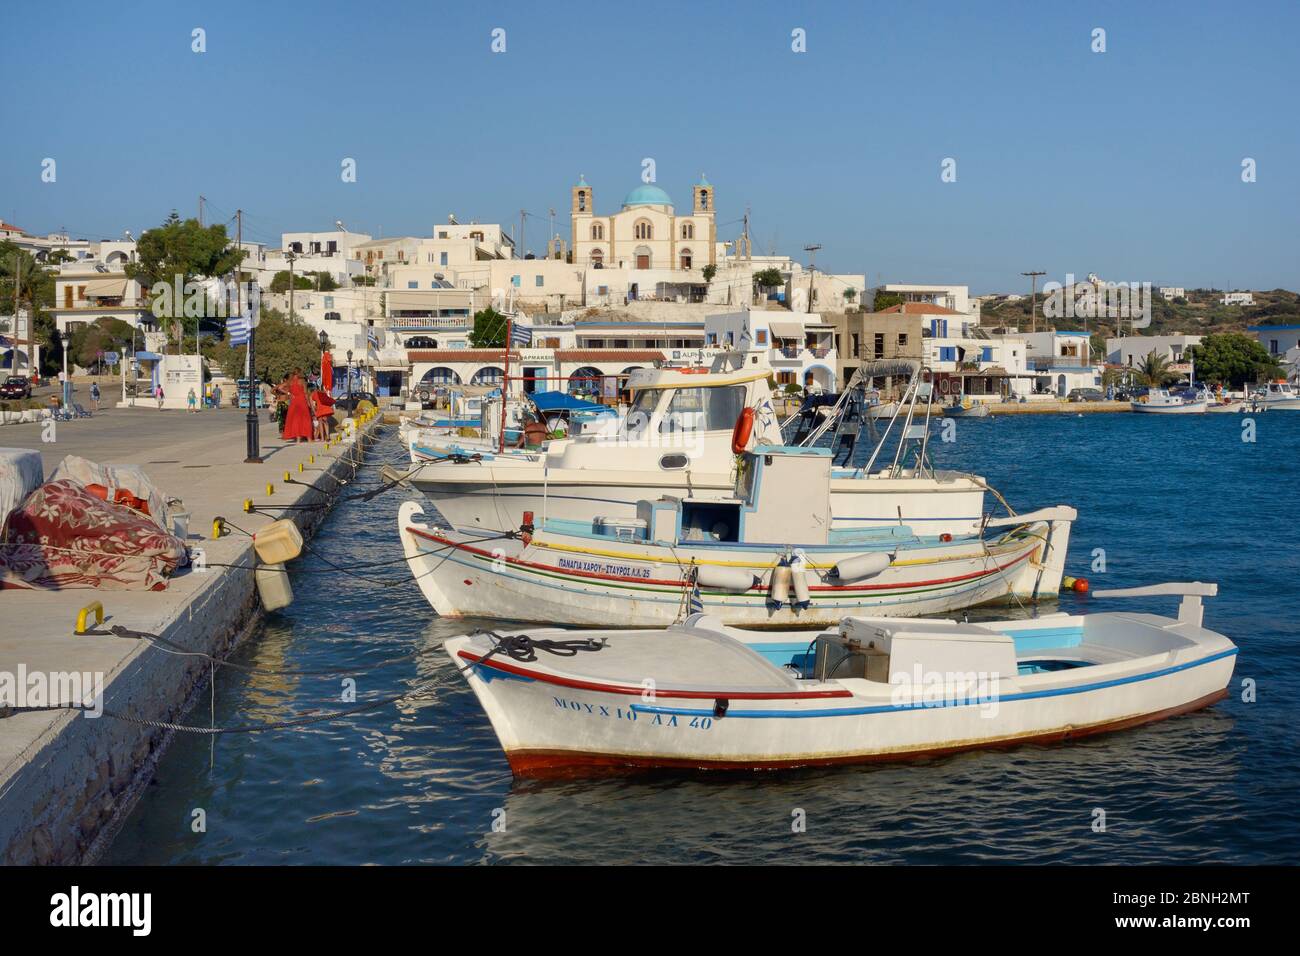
888 368
563 402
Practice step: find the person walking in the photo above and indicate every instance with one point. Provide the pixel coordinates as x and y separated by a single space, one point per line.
192 401
324 406
158 394
94 394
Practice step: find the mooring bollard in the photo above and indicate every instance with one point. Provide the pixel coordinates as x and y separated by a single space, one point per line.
98 610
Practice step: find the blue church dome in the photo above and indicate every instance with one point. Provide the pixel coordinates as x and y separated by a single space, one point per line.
647 195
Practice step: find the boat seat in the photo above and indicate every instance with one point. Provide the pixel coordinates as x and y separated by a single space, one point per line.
1092 653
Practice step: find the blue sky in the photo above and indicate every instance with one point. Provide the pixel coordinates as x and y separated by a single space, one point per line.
1126 163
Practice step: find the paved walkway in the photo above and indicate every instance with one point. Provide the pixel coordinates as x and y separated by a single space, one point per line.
195 457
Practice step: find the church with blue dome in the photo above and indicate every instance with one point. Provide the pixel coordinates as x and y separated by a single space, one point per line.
646 232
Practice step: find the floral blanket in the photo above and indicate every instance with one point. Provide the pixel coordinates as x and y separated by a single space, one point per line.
64 536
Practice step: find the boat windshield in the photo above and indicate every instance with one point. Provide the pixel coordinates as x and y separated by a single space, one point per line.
704 409
642 407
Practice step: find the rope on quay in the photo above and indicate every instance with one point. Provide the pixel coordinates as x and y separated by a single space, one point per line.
308 719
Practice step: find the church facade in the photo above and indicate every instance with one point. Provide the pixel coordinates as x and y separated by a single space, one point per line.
646 233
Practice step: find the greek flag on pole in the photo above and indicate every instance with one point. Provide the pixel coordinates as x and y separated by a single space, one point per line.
521 335
237 329
696 604
372 338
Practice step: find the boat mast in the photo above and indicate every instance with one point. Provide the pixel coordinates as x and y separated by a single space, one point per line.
505 381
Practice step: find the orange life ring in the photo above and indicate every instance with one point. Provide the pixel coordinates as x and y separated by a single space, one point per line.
741 432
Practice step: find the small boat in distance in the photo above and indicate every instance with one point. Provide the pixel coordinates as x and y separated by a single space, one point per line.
973 410
702 696
1164 402
1280 396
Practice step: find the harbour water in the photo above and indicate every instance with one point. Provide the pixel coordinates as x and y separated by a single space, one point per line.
1166 498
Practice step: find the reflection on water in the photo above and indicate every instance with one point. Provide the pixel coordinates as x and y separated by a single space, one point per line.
423 781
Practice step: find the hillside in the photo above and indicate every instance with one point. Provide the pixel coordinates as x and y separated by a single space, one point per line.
1199 314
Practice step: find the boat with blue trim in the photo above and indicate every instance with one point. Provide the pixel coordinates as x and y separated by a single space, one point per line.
703 696
766 556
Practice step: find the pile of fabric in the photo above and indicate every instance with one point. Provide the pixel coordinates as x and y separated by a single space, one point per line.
89 526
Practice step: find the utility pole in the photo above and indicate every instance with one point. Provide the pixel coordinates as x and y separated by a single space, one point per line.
522 213
290 258
1033 292
18 283
812 271
202 200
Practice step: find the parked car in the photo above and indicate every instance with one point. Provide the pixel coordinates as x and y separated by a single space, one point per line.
15 387
348 403
1086 395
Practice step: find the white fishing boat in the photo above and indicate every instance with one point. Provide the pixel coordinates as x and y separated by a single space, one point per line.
962 410
703 696
1164 402
1280 396
681 437
766 556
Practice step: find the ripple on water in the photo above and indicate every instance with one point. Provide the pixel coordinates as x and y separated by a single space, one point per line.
422 782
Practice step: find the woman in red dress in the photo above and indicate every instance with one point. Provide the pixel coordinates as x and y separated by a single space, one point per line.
324 406
298 419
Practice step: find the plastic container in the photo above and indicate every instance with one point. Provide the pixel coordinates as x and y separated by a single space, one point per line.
273 587
278 542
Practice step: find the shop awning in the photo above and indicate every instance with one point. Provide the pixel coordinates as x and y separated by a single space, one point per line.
786 330
105 288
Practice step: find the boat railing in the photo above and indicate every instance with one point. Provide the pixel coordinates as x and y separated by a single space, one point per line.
1190 610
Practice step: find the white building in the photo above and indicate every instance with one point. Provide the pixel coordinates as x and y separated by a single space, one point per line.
1238 298
1061 362
90 289
799 347
1132 350
1168 292
954 297
1282 341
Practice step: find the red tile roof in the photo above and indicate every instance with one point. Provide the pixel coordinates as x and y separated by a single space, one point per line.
459 355
918 308
609 355
10 227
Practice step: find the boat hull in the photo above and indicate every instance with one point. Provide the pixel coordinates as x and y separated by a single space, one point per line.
568 579
549 725
1190 408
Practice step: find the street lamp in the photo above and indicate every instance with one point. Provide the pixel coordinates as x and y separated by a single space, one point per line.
252 433
66 337
349 377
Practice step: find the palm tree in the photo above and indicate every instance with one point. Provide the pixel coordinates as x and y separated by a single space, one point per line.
1154 370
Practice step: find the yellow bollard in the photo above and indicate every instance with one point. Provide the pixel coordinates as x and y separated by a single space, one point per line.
216 528
270 488
81 616
286 476
312 458
300 468
248 506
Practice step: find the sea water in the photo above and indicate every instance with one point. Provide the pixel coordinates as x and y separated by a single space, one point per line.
1160 499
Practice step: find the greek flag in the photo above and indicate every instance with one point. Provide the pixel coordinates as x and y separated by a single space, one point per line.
696 605
521 335
371 337
237 329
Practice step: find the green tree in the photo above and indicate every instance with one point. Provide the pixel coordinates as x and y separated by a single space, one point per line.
282 345
36 295
489 330
102 335
1154 371
1233 359
280 281
709 272
768 279
886 300
184 249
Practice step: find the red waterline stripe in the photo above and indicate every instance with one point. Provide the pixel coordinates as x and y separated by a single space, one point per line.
638 691
678 584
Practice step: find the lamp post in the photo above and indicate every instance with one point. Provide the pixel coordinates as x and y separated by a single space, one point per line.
251 420
350 380
66 338
324 347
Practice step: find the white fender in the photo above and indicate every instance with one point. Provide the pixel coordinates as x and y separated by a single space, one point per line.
778 591
724 579
863 566
799 578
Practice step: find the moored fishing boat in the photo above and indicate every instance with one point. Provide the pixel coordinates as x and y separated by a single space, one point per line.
1161 401
680 438
766 556
704 696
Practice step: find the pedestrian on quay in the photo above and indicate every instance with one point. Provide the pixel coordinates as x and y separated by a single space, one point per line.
297 417
94 394
158 394
192 401
324 414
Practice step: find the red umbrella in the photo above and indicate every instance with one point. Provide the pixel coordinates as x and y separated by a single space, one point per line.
326 371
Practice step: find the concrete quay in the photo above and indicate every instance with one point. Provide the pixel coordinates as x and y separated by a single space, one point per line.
66 779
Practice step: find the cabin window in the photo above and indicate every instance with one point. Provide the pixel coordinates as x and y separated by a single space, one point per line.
707 409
